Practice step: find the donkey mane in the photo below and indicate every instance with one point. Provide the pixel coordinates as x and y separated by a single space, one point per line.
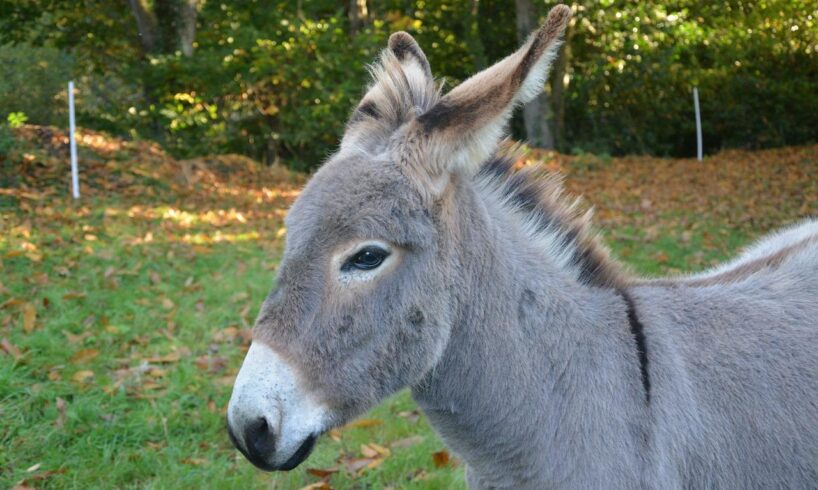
551 218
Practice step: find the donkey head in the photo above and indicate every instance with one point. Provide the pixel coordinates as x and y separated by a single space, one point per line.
363 304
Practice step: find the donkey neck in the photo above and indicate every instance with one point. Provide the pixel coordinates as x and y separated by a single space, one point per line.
538 369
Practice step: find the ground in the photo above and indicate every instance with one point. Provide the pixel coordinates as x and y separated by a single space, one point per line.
124 315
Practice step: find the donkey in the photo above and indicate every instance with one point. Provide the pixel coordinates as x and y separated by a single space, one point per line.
417 256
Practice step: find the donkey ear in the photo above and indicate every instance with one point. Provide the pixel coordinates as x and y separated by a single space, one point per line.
463 129
402 87
408 52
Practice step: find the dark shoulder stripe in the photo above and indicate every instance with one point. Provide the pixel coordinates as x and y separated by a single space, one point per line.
638 332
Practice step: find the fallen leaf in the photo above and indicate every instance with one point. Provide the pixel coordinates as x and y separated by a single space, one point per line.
150 385
195 461
353 465
73 295
441 459
406 442
11 302
61 407
10 348
412 416
29 317
319 473
321 485
418 474
211 364
166 359
228 380
373 450
368 452
73 339
84 355
83 377
363 423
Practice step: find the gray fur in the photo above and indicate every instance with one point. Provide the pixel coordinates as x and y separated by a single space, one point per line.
528 369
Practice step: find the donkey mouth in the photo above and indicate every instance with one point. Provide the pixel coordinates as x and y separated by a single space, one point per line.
296 459
300 455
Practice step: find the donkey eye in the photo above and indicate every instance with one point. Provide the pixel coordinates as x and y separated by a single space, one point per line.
367 259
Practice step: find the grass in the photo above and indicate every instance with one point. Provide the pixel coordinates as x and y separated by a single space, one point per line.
141 341
142 306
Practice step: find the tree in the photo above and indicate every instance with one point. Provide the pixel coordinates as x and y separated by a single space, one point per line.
538 114
358 14
166 25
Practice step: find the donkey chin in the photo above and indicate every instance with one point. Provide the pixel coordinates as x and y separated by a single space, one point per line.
269 418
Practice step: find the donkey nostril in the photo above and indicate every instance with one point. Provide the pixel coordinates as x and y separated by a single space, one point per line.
260 439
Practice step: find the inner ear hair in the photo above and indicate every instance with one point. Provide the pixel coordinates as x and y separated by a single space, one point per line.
463 129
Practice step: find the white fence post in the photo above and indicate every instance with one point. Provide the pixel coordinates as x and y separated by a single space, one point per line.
75 178
698 124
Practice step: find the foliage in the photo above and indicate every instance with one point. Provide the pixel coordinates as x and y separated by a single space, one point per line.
35 84
124 316
276 80
6 144
17 119
634 65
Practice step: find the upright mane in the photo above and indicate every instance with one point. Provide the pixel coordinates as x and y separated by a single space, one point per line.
551 218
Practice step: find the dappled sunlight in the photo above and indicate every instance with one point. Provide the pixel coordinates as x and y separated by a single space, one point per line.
219 237
215 237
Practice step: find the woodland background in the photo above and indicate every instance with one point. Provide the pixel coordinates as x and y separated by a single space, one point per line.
275 80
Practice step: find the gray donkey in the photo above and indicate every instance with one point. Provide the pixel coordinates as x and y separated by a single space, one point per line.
418 256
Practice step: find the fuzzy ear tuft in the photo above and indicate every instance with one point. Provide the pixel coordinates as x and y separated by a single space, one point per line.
402 87
463 129
407 50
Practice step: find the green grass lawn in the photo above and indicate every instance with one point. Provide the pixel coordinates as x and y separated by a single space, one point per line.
124 320
123 378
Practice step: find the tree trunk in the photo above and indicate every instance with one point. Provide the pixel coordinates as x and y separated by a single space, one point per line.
145 25
537 114
358 14
559 80
188 11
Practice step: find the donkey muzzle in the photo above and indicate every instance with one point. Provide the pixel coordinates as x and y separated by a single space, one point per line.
270 420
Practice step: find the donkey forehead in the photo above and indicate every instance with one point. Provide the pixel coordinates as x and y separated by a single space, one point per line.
357 197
